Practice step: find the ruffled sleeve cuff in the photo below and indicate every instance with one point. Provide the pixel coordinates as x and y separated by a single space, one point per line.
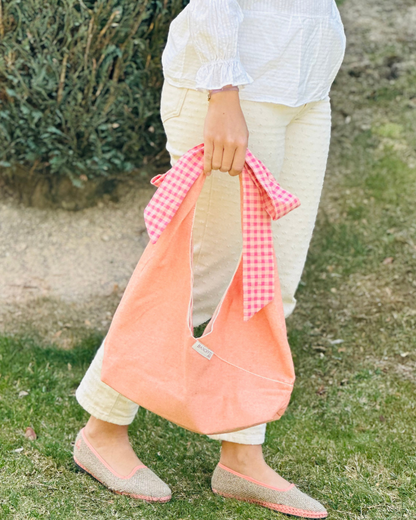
219 73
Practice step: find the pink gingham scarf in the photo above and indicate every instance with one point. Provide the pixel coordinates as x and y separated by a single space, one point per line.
263 200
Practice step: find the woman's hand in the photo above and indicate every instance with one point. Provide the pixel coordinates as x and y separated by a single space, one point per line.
225 134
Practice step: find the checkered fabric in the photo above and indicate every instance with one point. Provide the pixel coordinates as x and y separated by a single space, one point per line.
263 200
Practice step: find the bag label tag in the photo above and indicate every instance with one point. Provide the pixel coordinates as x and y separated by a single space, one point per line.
203 350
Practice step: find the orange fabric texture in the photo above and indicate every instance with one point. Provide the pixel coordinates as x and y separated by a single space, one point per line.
236 375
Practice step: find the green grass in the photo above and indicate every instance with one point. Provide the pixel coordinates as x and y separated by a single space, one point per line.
346 439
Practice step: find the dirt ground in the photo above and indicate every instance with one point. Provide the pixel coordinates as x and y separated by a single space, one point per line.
62 273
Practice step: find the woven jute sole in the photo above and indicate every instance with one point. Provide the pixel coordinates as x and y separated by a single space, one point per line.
276 507
138 497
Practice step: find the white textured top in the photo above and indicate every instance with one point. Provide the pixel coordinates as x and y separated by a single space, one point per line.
280 51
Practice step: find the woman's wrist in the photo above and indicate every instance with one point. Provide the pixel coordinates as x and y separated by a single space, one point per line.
223 89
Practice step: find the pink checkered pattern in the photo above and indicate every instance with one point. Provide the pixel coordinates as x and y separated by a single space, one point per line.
263 200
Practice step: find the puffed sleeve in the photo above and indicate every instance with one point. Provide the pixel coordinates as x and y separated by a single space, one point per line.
214 28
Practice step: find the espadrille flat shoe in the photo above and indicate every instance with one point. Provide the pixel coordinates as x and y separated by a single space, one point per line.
141 483
292 501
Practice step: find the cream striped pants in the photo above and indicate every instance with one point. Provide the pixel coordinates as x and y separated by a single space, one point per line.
293 143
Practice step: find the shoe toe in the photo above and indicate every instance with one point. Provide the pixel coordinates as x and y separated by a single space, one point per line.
153 486
303 502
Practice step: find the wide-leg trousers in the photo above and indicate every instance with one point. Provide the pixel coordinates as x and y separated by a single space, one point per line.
293 143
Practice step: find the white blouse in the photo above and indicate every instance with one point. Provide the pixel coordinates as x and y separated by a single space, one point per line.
280 51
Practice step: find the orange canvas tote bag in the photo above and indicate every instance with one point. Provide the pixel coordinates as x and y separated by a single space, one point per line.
239 373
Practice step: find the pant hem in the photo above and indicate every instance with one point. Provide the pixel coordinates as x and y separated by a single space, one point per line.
238 439
84 402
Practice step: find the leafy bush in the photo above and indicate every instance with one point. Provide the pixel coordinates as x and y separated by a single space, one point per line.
80 85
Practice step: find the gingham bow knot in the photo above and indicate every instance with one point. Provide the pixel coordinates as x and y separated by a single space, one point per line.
263 200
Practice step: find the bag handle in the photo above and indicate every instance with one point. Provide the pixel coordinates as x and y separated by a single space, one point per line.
263 200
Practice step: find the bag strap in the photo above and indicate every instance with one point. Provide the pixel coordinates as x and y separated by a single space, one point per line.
263 200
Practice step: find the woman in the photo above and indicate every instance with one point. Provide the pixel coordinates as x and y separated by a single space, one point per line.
274 61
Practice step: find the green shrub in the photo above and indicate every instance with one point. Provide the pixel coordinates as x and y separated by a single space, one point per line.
80 85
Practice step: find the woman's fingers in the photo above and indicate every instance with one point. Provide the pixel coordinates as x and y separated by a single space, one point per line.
227 157
217 155
208 150
239 160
